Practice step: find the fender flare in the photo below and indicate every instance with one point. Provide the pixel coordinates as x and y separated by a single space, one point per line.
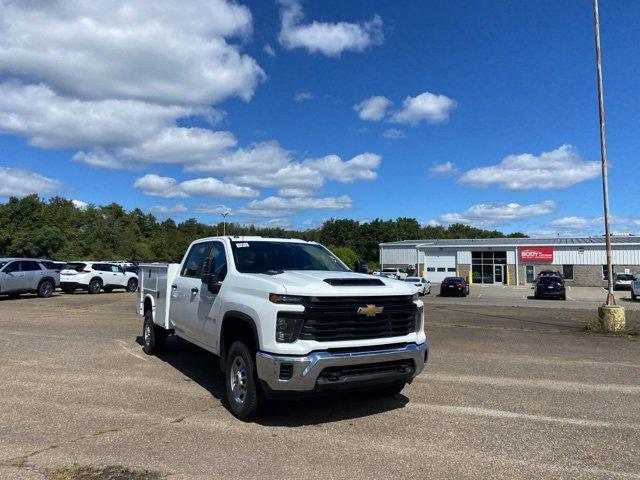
153 305
50 279
240 316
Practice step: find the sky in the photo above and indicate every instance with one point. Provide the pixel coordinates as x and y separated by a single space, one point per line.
287 113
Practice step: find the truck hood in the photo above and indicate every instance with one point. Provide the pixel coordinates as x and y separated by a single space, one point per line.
314 283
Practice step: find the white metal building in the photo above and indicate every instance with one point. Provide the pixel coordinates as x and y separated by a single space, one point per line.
582 260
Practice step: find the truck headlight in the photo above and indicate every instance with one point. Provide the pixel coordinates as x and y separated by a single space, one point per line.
288 299
288 327
419 318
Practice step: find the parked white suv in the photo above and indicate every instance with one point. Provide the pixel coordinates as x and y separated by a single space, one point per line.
27 275
398 273
286 317
96 276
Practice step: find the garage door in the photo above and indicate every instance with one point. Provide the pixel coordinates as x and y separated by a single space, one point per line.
440 265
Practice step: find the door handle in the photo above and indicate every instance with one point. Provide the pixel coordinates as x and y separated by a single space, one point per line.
174 286
194 290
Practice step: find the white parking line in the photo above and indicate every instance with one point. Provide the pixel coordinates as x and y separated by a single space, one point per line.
479 295
126 349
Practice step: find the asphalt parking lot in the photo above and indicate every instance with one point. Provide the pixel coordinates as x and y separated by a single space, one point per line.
509 393
523 296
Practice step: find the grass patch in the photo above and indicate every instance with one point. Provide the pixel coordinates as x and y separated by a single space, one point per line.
86 472
20 462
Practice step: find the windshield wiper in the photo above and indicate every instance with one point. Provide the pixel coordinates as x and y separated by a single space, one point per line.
273 272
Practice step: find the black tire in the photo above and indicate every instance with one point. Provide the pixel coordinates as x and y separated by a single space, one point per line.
132 285
153 336
68 290
536 296
108 289
563 297
45 289
388 390
244 394
94 286
633 295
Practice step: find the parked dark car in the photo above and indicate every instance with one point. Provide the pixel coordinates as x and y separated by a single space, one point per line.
454 286
550 287
549 273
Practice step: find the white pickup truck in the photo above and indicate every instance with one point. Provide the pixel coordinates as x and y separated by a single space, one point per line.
285 317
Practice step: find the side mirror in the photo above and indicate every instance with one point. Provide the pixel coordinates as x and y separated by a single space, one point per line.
209 278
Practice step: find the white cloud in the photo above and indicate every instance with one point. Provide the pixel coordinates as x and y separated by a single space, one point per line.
283 223
182 145
294 192
293 175
257 158
166 211
99 158
574 222
154 51
50 120
303 96
330 39
393 133
360 167
268 49
446 168
373 108
589 224
168 187
427 106
281 207
560 168
79 204
17 182
494 214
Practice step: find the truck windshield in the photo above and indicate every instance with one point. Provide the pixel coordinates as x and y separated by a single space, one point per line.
261 257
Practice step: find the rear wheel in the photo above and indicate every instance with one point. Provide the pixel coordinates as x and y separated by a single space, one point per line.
45 289
633 295
132 285
95 286
153 336
563 297
244 394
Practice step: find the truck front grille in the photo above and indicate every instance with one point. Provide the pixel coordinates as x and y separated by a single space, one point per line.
336 318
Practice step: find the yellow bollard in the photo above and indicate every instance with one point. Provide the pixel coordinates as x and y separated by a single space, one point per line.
469 278
508 278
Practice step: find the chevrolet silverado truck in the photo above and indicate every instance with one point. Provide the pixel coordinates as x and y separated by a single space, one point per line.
285 317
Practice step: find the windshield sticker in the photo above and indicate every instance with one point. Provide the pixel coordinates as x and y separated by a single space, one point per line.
242 245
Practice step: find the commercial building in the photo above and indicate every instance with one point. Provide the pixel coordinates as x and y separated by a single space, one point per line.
582 260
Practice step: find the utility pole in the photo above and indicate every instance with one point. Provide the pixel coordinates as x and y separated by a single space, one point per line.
603 158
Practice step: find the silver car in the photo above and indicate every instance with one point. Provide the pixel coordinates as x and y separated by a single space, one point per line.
27 275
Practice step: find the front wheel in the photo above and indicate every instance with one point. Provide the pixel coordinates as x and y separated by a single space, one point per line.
45 289
633 295
132 285
244 394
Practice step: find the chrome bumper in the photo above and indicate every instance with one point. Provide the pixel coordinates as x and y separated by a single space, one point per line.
307 368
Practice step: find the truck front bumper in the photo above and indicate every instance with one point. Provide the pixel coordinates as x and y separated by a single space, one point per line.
325 370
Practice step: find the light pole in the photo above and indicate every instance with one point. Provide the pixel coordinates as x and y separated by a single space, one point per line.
603 158
224 212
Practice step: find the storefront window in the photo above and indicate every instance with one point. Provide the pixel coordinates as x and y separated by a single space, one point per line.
567 272
483 266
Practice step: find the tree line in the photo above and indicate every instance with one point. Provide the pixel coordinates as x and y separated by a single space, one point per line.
57 229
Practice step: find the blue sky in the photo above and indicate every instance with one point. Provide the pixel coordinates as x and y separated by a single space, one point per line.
478 112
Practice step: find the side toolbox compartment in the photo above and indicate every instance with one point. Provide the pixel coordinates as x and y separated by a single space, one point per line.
155 279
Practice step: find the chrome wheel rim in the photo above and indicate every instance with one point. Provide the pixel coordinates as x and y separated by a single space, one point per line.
238 380
46 289
147 334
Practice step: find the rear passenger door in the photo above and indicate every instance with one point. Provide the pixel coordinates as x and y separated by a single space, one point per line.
32 274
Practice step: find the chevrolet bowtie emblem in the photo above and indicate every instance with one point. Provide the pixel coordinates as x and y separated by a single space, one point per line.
370 310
